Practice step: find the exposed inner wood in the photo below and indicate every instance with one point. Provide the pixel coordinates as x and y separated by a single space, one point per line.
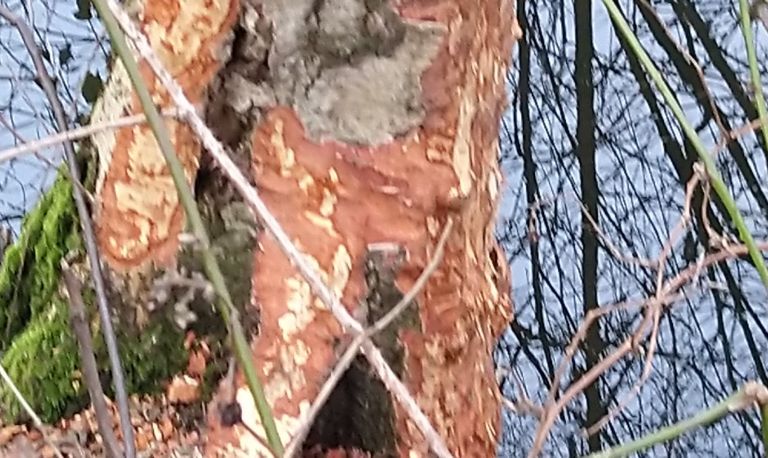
369 125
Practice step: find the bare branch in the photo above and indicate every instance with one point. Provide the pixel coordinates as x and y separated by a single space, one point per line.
82 332
668 296
73 134
28 409
86 224
666 293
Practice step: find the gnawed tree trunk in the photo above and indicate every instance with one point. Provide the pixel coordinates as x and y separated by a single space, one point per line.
359 121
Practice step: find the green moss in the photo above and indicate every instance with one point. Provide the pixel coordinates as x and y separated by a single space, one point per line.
36 344
43 362
151 356
30 271
40 351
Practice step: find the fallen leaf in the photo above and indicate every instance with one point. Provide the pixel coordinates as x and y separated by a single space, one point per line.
197 364
183 389
9 432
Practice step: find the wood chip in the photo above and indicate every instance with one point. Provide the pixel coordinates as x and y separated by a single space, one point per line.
183 390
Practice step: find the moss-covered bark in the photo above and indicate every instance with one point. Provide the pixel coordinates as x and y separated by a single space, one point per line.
39 349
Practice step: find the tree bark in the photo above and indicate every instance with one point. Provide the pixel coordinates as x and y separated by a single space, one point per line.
359 122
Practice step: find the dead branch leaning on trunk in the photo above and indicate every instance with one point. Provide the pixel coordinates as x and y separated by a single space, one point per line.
28 409
79 323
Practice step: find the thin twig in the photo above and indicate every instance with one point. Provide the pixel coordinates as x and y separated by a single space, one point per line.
82 332
734 135
751 394
612 247
669 295
714 175
354 347
524 405
652 309
11 129
746 12
251 196
73 134
225 305
91 248
28 409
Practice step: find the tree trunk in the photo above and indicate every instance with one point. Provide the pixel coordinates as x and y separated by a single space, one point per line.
359 122
585 136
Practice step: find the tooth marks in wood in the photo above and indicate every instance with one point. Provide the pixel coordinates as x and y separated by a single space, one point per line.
139 215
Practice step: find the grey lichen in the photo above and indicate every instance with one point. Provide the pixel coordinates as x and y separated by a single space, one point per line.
373 102
180 288
346 29
350 68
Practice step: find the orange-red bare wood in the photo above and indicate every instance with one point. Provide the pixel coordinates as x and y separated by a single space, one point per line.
334 199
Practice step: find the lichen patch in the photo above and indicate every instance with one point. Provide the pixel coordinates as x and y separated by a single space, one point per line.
350 69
